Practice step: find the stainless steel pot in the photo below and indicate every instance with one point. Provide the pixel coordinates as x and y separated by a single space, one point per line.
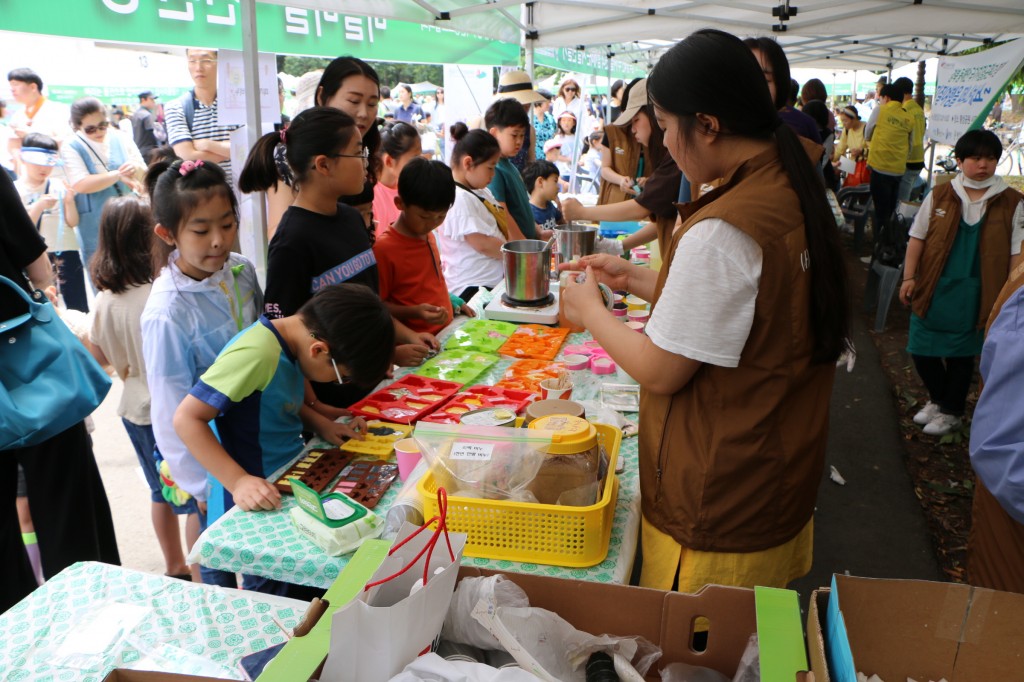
575 240
527 269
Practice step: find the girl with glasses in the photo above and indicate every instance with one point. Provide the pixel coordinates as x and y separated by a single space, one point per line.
100 162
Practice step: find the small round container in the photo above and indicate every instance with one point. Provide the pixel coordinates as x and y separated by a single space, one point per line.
569 474
635 303
544 408
490 416
619 309
407 452
617 297
636 326
602 365
639 315
576 361
549 390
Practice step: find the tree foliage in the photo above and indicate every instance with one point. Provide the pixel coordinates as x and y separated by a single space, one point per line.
390 73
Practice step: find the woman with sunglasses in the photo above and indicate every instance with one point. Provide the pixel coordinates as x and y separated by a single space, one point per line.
100 162
568 99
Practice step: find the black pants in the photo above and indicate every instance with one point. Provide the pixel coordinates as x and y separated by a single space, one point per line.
885 192
947 381
69 510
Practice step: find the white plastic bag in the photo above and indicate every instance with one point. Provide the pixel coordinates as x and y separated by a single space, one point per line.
460 625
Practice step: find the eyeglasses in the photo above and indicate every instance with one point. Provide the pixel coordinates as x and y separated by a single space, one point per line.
571 89
90 130
364 154
202 62
341 379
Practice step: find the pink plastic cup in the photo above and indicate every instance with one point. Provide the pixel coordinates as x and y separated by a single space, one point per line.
407 452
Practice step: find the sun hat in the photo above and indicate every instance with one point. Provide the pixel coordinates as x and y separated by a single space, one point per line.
552 144
566 113
637 101
517 84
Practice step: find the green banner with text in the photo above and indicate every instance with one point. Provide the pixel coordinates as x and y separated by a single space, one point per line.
586 61
280 29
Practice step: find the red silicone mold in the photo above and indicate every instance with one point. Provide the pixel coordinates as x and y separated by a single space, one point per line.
478 398
407 400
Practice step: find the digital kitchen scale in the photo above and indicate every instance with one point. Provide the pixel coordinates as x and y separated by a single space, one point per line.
501 308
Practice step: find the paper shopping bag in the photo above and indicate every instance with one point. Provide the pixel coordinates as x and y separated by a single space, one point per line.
383 629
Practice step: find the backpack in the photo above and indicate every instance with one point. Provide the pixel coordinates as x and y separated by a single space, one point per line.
188 105
891 241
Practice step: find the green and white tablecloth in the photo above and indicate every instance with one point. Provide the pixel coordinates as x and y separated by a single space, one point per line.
92 617
266 544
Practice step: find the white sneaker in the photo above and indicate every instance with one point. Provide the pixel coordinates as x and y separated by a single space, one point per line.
929 412
942 424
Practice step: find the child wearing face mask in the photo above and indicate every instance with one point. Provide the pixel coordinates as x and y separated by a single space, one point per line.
964 242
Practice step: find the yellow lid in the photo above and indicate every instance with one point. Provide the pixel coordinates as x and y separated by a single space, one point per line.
572 434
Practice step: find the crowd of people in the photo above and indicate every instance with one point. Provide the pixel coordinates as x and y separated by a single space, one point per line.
375 246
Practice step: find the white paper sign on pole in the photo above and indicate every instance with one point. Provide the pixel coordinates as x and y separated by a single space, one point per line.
967 87
231 93
468 91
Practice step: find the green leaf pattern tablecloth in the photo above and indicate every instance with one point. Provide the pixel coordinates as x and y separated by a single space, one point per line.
91 618
266 543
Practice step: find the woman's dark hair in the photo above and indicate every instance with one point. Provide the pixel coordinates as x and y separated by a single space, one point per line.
655 150
813 90
398 138
851 111
892 91
537 170
39 141
682 88
173 197
123 257
403 86
330 82
818 110
616 86
505 113
427 184
982 143
776 58
905 85
479 145
83 107
356 327
313 132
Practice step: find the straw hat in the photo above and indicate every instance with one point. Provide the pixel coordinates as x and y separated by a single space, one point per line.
517 84
305 90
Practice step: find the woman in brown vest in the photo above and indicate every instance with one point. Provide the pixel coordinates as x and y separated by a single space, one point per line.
749 315
661 188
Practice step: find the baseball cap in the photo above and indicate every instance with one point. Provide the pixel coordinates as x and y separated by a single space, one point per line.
146 94
637 101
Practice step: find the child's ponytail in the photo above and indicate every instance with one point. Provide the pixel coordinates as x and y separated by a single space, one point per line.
260 172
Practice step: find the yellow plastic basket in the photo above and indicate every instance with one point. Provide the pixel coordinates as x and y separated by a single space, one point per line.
574 537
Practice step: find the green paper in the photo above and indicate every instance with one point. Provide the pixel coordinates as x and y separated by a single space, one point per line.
780 633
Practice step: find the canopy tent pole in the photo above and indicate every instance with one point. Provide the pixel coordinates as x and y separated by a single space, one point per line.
608 109
253 211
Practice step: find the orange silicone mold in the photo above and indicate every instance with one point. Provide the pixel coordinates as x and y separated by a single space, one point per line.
535 342
526 375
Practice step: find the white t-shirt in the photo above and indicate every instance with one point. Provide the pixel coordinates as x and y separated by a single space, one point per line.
75 166
52 119
49 222
463 265
706 308
971 212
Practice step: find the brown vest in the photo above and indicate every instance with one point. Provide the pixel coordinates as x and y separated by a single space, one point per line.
994 246
995 548
625 153
732 462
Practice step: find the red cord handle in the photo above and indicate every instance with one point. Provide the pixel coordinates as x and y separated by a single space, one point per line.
428 549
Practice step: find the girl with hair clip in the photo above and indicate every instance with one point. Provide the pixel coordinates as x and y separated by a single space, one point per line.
350 85
123 272
400 144
320 240
203 295
734 417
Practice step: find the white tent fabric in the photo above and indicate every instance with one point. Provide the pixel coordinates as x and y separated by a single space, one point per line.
839 34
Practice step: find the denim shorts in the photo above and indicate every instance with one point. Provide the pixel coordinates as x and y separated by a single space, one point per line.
141 436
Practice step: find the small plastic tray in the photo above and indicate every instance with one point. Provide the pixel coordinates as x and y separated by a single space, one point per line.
526 375
380 439
535 342
477 398
462 366
406 400
366 481
485 336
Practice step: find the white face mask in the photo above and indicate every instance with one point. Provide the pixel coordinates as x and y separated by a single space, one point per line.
980 184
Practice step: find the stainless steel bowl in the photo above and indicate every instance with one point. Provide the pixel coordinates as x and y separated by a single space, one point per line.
527 269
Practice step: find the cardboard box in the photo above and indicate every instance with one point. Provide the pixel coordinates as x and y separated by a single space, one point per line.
665 618
913 628
145 676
